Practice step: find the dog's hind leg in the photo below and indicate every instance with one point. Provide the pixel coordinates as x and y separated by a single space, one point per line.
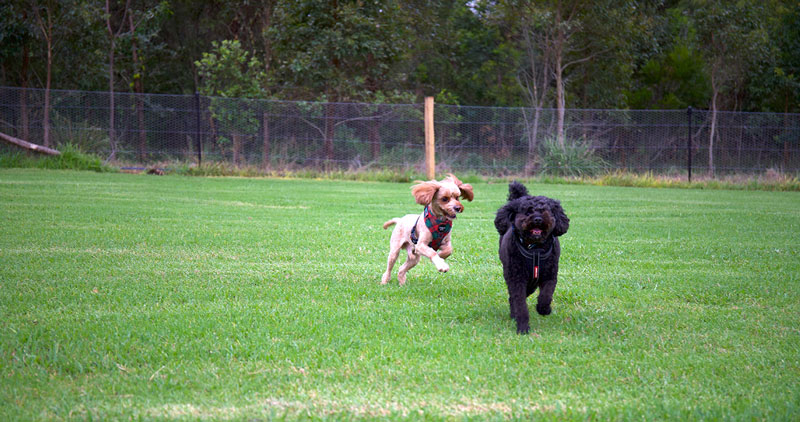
411 261
394 251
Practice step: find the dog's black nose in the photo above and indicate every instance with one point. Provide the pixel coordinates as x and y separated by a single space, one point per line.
458 209
537 220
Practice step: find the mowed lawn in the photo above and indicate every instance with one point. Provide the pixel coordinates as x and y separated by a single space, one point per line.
144 297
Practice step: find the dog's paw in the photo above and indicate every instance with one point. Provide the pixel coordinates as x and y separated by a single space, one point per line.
523 329
440 264
543 309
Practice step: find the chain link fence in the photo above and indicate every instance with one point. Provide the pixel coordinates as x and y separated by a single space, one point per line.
162 130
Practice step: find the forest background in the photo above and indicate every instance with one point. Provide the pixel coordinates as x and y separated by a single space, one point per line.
739 55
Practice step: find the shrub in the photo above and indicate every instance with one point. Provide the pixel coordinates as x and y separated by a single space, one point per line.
575 158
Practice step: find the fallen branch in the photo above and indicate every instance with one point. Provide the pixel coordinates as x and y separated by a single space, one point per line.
27 145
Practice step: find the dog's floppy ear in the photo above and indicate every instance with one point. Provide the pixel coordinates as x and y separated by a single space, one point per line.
466 190
562 221
505 217
424 191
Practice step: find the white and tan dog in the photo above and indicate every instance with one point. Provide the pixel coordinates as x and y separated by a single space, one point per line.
427 234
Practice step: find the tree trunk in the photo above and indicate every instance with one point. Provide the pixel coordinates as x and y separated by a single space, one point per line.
265 141
112 35
139 104
237 148
329 131
533 140
112 135
560 102
785 129
559 75
46 121
713 129
23 98
138 88
373 136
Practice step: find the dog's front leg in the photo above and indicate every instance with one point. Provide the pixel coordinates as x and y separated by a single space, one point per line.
437 260
545 298
445 250
519 307
423 249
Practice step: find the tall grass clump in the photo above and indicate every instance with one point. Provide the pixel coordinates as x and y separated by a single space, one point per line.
71 158
573 158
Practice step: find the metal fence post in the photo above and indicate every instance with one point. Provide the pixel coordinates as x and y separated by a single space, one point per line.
197 129
689 145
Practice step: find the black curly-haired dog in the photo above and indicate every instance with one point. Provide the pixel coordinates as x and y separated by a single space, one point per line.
529 227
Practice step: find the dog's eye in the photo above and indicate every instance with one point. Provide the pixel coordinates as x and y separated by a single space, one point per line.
445 199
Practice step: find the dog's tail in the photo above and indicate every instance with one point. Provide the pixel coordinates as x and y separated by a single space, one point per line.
390 223
516 190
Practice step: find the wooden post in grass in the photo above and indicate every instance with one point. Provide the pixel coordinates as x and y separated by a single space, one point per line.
430 159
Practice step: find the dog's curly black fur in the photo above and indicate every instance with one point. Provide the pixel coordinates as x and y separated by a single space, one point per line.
529 225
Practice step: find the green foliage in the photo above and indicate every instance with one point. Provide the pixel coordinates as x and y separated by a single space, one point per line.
776 86
229 71
674 81
733 39
149 46
15 33
575 158
619 54
230 75
343 50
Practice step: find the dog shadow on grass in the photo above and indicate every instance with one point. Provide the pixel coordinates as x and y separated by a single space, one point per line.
572 315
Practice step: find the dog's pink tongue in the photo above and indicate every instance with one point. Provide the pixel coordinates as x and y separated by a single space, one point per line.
536 232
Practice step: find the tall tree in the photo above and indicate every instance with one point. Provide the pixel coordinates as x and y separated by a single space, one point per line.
229 73
670 70
335 50
116 20
732 38
143 24
16 39
556 37
47 14
463 49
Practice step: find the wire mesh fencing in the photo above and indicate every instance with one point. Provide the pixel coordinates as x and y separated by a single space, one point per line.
156 129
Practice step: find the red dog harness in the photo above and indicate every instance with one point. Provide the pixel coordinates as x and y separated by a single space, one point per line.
439 228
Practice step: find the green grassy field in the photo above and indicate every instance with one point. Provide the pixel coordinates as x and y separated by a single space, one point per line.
144 297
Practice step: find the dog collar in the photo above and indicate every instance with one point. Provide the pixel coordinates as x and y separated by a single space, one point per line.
534 253
438 226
